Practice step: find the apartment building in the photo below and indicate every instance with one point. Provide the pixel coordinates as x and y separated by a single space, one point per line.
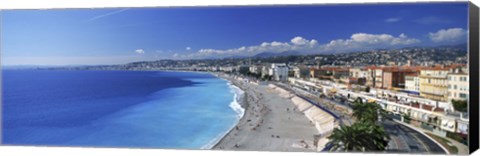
301 72
378 78
412 83
358 73
316 73
265 71
279 71
458 86
370 76
434 83
395 77
255 69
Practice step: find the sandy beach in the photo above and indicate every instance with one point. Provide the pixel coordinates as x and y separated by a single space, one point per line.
270 123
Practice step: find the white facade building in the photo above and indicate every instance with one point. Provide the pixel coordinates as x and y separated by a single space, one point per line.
265 71
255 69
227 69
279 71
297 72
412 83
358 73
458 86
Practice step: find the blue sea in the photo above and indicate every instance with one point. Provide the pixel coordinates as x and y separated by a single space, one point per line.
139 109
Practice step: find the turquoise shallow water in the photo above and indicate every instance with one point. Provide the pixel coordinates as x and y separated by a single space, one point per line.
117 108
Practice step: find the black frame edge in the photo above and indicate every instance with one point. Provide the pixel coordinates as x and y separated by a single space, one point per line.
473 50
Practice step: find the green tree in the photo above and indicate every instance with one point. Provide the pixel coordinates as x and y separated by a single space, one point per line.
406 117
368 111
460 105
361 136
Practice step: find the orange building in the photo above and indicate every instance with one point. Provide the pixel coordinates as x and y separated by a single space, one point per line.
395 77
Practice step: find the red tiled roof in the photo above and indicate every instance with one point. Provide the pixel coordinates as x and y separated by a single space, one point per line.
439 67
412 74
335 68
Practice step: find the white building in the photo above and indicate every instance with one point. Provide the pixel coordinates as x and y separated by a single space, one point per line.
227 69
358 73
296 72
215 68
279 71
265 71
254 69
412 83
458 86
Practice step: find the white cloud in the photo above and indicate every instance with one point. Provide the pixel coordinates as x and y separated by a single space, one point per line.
394 19
188 48
299 41
363 41
139 51
448 35
358 41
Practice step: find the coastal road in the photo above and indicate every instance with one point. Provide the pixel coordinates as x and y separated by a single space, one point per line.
406 140
345 119
403 138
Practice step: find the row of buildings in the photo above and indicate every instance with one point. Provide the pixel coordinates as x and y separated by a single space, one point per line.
427 112
439 83
424 93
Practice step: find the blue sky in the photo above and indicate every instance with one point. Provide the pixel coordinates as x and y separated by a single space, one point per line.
122 35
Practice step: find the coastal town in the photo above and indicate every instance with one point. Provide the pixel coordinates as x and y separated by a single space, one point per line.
425 94
377 78
424 97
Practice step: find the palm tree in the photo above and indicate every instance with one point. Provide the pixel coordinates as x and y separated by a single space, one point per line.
367 112
364 135
360 136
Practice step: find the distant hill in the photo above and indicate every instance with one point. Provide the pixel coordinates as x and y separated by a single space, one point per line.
462 46
417 55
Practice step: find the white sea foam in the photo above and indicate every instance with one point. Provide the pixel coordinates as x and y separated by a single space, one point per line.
238 94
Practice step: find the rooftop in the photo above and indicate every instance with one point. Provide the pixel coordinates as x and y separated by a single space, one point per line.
412 74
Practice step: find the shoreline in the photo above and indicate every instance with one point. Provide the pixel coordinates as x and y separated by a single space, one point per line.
240 101
267 122
243 103
270 122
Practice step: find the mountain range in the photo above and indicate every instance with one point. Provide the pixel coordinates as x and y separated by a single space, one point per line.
462 46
